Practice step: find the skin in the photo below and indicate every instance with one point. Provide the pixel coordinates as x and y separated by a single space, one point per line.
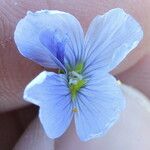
16 71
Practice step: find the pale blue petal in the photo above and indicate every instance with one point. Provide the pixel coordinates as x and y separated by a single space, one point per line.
50 92
30 30
54 41
99 105
74 50
109 39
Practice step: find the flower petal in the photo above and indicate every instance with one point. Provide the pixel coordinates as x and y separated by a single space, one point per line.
109 39
31 41
50 92
99 104
54 41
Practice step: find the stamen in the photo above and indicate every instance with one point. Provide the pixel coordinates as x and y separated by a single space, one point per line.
119 82
75 110
76 75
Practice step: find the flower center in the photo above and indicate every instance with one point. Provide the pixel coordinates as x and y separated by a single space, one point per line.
75 80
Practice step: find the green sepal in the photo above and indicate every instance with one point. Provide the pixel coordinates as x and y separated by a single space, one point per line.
61 71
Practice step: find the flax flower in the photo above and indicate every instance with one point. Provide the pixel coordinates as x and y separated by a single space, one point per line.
83 89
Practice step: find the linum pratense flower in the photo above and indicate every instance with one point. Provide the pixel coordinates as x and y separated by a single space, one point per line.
83 88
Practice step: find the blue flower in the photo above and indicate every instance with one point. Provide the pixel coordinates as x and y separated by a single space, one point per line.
83 88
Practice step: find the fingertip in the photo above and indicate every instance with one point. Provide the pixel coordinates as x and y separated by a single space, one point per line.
34 138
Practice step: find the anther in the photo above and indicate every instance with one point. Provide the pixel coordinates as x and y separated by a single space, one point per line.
75 110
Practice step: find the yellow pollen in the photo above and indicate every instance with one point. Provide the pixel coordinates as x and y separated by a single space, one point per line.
75 110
